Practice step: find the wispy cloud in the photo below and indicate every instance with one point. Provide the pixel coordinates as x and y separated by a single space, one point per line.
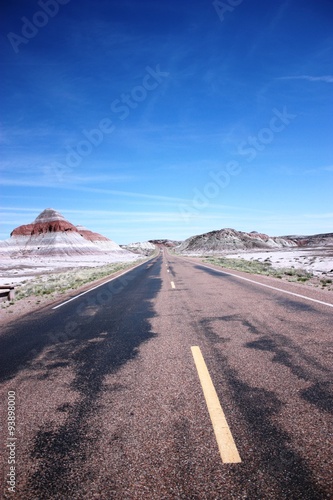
130 194
310 78
328 215
318 170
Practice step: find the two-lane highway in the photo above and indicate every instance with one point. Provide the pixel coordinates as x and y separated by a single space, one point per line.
173 381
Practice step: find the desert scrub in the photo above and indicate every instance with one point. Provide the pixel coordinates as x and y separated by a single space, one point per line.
302 279
257 267
248 266
69 280
325 282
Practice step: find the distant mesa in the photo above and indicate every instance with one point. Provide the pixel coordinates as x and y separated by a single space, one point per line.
141 248
51 235
231 240
165 242
148 247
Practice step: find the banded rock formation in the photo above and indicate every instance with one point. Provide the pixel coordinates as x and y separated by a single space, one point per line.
51 235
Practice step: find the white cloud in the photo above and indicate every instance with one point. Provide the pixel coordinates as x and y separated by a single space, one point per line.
324 78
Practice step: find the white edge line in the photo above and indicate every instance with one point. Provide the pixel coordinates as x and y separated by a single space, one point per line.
97 286
268 286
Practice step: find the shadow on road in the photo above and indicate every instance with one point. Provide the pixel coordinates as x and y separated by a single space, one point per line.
107 337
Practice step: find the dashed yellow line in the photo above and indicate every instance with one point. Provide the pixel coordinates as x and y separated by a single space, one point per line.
173 285
225 441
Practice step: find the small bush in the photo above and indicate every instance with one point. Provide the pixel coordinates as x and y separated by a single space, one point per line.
257 267
289 272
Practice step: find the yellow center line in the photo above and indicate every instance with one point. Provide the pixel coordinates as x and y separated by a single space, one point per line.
225 441
173 285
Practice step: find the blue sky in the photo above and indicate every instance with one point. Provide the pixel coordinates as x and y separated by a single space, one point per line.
151 119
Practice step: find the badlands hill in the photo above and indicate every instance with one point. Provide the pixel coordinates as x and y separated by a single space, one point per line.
142 248
51 235
316 240
148 247
231 240
165 243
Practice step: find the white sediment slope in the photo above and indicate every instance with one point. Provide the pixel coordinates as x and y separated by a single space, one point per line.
317 261
48 245
142 247
311 253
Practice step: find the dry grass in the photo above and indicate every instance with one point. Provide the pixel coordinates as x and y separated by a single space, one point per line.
256 267
61 282
291 274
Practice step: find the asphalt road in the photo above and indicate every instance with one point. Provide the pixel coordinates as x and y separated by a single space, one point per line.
109 403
